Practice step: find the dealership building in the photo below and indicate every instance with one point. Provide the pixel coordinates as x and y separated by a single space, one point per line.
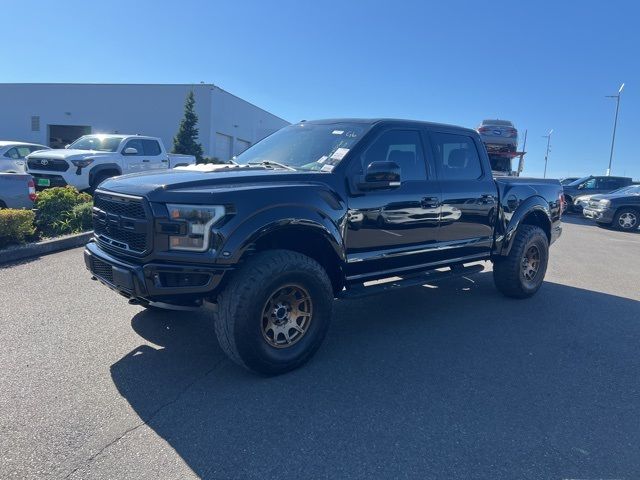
55 114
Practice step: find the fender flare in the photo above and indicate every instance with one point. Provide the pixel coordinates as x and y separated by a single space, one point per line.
532 205
95 171
268 221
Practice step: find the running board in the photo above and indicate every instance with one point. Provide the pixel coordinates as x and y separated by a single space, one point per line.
413 280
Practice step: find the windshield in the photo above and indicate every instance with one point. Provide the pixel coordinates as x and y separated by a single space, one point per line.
575 183
306 146
629 190
101 143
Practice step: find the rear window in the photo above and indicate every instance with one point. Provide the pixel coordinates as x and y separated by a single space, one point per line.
151 147
456 156
501 123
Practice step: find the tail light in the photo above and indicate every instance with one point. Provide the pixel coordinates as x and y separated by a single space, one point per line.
32 191
563 203
483 129
512 132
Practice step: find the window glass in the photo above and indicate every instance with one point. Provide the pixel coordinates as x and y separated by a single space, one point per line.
12 153
151 147
589 184
402 147
36 148
23 151
135 143
457 156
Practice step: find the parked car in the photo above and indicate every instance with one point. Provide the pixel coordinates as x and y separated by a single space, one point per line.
620 209
12 155
592 185
93 158
17 190
498 135
270 242
568 180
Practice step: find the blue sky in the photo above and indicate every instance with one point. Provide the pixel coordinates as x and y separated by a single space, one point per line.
541 64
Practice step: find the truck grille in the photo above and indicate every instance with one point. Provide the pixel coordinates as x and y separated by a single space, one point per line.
51 164
594 203
121 223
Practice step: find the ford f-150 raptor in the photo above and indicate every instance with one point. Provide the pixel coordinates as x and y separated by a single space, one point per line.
319 210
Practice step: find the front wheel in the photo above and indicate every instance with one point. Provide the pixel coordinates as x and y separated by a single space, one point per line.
275 312
627 219
521 273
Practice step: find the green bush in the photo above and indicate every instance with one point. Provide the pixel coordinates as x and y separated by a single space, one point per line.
81 217
16 226
55 210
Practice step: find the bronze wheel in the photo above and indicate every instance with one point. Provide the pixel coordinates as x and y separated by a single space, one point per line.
286 316
531 263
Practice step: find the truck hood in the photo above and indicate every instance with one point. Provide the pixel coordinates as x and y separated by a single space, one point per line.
170 185
611 196
68 154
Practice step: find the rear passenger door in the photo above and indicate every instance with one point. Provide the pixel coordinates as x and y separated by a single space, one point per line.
153 158
469 195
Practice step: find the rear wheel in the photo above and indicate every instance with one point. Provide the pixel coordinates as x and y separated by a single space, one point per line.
275 312
521 273
627 219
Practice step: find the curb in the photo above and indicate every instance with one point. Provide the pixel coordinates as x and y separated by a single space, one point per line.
30 250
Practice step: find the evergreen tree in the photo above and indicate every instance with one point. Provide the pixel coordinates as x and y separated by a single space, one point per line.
186 140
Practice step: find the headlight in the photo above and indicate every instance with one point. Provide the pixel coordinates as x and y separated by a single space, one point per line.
604 203
82 163
199 220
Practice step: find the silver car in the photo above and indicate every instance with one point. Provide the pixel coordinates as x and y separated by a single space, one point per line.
12 155
498 135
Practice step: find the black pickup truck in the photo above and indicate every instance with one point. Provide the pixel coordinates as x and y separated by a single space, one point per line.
319 210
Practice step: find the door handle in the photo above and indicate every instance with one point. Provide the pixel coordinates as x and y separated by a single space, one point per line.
164 160
430 202
146 161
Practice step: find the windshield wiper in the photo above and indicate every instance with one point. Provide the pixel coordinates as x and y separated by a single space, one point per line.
269 163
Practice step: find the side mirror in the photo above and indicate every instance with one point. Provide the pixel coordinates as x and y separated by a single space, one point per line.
130 151
581 187
67 145
380 175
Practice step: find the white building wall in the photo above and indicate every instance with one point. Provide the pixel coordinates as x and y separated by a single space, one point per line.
240 121
154 110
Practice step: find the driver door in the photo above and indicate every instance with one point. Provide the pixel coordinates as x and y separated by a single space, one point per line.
396 228
133 162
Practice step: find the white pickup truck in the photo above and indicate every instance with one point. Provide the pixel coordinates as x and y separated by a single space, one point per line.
94 158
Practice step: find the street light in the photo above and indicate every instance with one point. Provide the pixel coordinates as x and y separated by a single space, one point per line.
546 155
615 124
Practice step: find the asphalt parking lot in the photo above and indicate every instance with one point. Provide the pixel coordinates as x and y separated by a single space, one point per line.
448 382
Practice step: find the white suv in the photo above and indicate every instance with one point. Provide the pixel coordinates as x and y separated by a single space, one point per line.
94 158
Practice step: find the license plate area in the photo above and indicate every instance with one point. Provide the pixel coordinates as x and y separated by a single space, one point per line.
43 182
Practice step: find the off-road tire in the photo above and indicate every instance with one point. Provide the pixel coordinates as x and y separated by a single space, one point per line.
239 319
509 272
617 222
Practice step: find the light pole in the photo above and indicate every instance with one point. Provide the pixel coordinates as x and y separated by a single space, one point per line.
546 155
615 124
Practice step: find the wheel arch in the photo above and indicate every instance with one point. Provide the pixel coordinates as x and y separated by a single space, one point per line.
103 168
317 238
533 211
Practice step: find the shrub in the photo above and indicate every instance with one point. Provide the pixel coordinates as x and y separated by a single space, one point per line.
16 226
55 206
81 217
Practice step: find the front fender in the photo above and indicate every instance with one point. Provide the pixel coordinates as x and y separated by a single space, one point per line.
512 219
269 220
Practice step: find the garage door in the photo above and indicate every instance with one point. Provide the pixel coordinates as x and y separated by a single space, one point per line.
241 146
223 147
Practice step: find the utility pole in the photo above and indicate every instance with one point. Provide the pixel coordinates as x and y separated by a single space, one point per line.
521 161
546 155
615 124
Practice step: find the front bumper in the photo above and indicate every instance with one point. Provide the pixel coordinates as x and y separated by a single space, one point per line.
600 216
154 282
